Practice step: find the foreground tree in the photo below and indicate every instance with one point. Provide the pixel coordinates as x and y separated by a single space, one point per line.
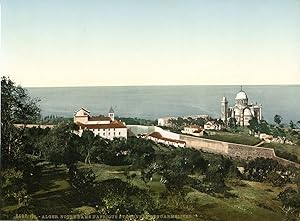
290 200
83 181
13 188
59 145
121 197
16 107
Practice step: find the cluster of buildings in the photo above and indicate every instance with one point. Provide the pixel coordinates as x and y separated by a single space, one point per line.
199 131
270 138
108 127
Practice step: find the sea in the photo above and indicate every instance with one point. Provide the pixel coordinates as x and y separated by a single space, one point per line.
153 102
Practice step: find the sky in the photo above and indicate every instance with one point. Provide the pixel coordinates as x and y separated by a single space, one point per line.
150 42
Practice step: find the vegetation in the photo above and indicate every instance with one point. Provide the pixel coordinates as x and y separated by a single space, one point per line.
57 172
290 152
179 123
241 138
137 121
53 119
277 119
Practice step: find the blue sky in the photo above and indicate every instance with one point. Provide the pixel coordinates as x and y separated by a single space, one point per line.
166 42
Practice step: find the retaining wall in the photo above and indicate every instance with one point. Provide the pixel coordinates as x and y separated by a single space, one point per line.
240 151
206 144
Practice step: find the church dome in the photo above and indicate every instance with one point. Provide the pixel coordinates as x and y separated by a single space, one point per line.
241 96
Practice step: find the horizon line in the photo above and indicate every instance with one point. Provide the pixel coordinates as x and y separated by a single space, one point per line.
160 85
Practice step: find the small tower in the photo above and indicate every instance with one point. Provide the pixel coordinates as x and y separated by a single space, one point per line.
111 114
224 110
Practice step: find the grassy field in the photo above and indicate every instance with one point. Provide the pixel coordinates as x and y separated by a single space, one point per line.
255 201
240 138
293 149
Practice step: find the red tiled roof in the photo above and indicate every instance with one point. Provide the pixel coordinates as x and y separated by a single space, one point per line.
99 118
113 124
160 137
198 131
156 135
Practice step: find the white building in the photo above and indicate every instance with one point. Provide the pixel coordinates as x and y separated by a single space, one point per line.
106 127
212 125
165 121
159 138
241 111
193 130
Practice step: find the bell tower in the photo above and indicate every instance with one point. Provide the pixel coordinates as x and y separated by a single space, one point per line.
224 110
111 114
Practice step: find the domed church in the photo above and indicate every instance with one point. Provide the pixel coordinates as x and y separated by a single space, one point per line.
241 111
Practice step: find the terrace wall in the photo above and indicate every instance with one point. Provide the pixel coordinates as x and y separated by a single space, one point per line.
240 151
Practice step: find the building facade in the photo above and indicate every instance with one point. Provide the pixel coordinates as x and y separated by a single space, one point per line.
194 130
242 111
103 126
212 125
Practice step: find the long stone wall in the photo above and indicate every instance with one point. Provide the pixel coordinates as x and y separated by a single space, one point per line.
247 152
206 144
240 151
140 129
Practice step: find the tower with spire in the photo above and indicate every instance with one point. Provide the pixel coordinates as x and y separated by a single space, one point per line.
111 114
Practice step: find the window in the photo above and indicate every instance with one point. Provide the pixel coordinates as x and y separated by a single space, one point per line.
108 134
103 134
119 133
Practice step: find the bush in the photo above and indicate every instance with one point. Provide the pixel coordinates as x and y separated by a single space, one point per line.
287 155
119 197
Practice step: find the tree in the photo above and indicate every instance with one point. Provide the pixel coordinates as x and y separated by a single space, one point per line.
141 152
200 121
12 186
16 107
18 168
277 119
232 122
292 125
217 172
87 141
263 127
83 181
121 197
253 124
174 173
290 200
58 145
